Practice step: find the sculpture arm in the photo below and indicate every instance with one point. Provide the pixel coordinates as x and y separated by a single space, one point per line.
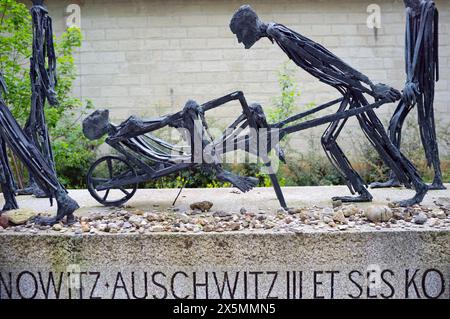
324 65
134 126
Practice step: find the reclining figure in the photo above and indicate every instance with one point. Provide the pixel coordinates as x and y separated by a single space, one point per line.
132 139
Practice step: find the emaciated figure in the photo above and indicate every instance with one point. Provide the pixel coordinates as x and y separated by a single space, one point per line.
43 82
422 70
11 134
352 85
133 139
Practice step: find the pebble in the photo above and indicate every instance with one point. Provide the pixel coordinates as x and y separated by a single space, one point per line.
102 227
157 229
378 214
294 211
221 214
4 221
420 218
342 227
151 217
350 210
204 206
243 210
339 217
135 220
57 227
441 215
127 225
337 203
112 227
85 228
327 211
20 216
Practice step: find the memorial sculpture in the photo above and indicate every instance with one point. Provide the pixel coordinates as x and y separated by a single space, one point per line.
43 82
113 180
422 72
148 157
12 135
352 85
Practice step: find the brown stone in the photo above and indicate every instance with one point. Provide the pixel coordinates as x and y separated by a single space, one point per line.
20 216
4 221
202 206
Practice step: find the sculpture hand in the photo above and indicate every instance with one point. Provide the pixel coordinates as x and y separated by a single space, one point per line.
410 93
385 92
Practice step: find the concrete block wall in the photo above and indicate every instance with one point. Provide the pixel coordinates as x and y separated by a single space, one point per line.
148 57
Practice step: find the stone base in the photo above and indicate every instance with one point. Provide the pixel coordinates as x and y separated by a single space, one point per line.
378 264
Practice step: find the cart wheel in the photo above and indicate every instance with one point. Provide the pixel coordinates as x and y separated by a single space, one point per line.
108 169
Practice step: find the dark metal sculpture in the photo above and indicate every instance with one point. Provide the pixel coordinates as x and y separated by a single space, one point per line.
43 81
422 70
11 134
352 85
147 157
113 180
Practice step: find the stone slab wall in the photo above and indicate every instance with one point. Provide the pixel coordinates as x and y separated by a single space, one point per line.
380 264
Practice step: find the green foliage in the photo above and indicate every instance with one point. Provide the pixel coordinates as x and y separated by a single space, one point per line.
15 50
73 152
284 105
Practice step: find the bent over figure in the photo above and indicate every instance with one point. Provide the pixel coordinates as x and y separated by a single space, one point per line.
352 85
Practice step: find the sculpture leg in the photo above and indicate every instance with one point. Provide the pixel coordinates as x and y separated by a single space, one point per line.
31 130
7 181
337 157
391 155
66 207
395 134
429 139
437 181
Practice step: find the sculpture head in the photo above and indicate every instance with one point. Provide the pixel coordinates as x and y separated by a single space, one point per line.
38 2
413 4
96 125
247 26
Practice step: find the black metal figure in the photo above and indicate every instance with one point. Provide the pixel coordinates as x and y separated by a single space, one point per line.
148 157
422 70
352 85
11 134
43 81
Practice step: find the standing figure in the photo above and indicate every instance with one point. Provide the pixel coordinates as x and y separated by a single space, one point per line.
11 134
6 177
422 71
352 85
43 82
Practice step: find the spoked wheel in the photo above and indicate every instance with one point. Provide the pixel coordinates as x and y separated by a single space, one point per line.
108 170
